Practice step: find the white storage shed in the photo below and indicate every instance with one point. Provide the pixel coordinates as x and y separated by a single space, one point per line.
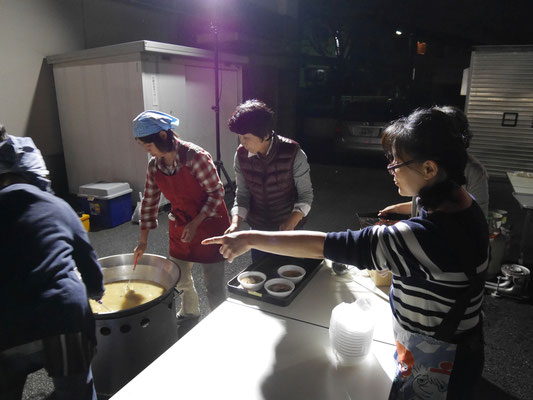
99 91
499 107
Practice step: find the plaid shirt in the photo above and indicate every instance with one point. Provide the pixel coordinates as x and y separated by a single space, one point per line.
202 168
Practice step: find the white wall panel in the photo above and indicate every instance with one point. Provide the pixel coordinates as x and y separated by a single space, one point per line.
501 82
96 105
200 123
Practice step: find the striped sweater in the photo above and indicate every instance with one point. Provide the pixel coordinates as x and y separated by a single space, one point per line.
428 256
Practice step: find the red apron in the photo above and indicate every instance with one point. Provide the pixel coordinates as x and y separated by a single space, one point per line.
187 198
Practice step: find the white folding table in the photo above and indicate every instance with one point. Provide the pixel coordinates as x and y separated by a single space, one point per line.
238 352
248 349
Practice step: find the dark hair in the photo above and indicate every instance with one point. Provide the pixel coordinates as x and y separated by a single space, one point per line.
460 121
430 134
3 133
164 145
252 116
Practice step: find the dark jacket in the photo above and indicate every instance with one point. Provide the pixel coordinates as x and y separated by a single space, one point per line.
42 241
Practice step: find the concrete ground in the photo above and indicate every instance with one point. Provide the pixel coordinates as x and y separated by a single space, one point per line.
340 191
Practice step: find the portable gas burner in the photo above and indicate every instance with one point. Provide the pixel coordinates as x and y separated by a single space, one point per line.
514 282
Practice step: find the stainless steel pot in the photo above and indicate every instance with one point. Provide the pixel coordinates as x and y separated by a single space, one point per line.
129 340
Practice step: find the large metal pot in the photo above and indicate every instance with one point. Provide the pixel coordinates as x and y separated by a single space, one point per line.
130 339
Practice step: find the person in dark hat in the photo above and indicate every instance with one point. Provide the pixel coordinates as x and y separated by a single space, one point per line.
274 190
186 175
46 318
28 162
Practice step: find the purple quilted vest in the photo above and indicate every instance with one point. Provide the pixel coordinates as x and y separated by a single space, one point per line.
270 181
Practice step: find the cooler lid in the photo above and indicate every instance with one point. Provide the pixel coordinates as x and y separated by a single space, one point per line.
104 190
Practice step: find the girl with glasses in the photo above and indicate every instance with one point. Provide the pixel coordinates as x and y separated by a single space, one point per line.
477 179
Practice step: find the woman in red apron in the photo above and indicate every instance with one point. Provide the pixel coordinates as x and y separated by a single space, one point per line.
186 175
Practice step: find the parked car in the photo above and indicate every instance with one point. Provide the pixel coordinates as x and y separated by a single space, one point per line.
361 123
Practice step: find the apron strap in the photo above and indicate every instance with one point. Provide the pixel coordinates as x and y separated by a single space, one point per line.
451 321
184 154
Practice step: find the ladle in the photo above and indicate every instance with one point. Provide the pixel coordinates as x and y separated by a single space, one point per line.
103 305
129 280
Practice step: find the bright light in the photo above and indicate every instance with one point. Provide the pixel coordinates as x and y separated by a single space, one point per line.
398 32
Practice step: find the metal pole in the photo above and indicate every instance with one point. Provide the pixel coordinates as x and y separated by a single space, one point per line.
218 162
217 97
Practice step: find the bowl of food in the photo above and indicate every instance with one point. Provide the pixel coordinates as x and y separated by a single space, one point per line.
279 287
252 280
291 272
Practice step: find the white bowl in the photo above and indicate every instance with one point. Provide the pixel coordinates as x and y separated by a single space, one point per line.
251 286
279 281
286 270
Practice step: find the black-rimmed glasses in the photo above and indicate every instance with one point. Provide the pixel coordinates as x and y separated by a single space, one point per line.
392 167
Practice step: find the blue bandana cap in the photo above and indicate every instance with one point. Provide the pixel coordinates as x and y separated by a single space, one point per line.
19 155
150 122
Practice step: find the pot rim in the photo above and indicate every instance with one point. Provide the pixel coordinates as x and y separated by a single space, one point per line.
142 307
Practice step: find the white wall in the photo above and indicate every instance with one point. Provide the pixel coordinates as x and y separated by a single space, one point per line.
29 31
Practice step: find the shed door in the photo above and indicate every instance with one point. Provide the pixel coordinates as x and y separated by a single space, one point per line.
500 109
186 89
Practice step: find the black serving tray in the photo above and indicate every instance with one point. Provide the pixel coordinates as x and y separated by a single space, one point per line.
269 265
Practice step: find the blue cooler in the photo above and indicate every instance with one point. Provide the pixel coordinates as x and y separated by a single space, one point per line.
108 204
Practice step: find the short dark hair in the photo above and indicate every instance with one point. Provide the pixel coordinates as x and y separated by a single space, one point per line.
429 134
164 145
253 116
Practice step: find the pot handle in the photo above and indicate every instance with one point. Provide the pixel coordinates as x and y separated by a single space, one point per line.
171 298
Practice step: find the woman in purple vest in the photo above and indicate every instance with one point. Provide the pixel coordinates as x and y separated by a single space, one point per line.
274 190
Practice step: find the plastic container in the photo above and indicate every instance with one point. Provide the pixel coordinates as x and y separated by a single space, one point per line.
251 286
351 331
85 220
272 287
108 204
380 278
504 215
291 272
